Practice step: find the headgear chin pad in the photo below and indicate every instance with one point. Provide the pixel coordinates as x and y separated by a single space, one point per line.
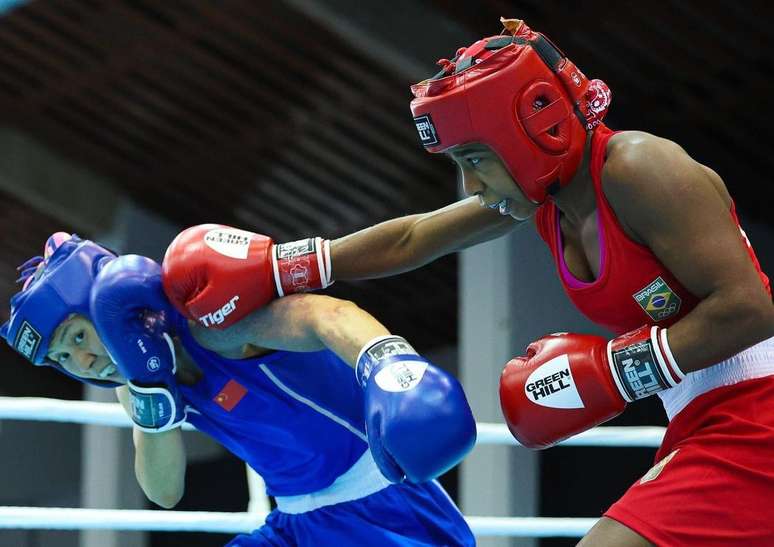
55 286
520 95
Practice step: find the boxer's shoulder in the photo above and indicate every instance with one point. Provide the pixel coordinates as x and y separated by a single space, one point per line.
631 154
642 170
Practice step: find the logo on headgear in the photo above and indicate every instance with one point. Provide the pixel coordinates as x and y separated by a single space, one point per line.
153 364
598 98
27 341
427 133
575 79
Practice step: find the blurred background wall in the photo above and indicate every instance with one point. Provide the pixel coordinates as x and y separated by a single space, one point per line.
126 120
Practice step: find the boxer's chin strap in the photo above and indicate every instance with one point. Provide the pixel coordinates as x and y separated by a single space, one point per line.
642 363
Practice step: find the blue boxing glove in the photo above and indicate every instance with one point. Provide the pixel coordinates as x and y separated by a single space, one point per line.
418 422
129 308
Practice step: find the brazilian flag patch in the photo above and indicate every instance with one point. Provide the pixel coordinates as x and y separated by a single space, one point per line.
658 300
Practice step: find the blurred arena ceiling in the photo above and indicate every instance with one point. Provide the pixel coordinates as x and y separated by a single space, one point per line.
260 115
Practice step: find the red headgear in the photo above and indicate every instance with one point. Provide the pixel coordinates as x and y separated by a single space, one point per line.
520 95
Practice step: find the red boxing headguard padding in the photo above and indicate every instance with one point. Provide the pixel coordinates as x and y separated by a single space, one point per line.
518 94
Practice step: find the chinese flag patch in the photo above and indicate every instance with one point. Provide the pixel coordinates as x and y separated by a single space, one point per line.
229 397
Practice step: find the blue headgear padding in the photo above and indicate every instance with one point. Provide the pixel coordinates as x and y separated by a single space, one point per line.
60 288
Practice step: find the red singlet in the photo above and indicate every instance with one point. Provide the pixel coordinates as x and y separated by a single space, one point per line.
713 481
633 286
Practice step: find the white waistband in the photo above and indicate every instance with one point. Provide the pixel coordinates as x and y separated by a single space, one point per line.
754 362
359 481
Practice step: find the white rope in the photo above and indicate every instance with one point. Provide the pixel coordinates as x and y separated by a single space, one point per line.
111 414
55 410
258 500
56 518
647 436
530 527
59 518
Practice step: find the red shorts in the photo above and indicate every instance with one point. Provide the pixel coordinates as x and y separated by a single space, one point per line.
713 483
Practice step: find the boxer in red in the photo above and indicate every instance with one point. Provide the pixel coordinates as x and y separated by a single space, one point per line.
646 243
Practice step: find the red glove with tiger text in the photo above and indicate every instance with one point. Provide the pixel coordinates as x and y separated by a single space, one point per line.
217 275
568 383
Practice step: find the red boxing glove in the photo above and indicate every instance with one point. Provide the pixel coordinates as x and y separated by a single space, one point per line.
217 275
568 383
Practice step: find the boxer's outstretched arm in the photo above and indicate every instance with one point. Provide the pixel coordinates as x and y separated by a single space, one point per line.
406 243
159 460
300 322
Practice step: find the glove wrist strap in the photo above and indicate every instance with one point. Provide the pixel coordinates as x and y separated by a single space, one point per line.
642 363
301 266
378 350
155 408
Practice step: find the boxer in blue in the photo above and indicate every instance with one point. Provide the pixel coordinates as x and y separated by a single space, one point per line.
277 389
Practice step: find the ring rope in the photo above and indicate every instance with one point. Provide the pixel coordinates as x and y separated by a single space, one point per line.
112 414
60 518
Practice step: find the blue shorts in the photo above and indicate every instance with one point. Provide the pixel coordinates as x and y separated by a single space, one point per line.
400 514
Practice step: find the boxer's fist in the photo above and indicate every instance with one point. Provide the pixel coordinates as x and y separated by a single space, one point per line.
216 275
129 310
418 422
562 386
568 383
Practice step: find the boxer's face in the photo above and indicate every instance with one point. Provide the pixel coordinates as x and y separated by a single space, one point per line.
77 348
484 175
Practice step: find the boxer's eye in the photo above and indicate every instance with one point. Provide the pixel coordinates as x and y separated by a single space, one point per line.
63 357
78 338
473 161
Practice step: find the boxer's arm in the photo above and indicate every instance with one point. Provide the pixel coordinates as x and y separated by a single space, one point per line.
406 243
159 461
403 391
300 322
680 211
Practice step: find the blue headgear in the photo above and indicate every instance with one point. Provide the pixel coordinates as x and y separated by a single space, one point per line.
54 288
